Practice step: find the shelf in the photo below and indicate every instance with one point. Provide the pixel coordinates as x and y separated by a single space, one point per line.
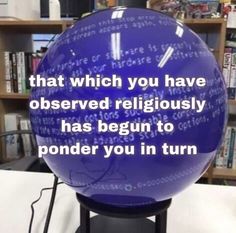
204 21
224 173
232 102
153 1
38 26
206 25
14 96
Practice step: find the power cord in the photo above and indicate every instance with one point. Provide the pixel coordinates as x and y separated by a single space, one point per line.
53 195
54 190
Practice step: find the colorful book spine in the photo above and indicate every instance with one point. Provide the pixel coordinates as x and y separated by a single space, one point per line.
19 66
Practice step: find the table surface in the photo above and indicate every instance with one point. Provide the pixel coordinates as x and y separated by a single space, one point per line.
198 209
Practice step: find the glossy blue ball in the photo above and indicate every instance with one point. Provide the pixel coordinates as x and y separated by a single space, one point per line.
131 43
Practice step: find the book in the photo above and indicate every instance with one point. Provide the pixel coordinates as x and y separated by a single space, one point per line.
229 71
227 65
230 43
103 4
234 156
35 62
231 93
231 148
221 161
7 71
14 73
233 68
12 142
28 70
26 138
23 72
231 22
19 66
5 67
19 73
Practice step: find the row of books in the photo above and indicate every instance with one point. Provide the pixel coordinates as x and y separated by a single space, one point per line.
18 145
226 157
18 68
229 71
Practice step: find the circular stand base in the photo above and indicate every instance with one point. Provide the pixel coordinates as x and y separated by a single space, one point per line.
102 224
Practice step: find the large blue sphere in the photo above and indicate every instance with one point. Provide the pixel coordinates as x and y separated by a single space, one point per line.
131 43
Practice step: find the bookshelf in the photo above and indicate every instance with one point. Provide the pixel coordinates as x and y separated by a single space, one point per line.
214 31
17 35
220 173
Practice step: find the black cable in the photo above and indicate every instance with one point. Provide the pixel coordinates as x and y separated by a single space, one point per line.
95 181
52 39
54 190
37 200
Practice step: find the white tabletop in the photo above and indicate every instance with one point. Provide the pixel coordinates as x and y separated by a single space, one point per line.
199 209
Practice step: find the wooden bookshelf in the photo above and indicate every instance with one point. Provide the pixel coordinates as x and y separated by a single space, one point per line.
38 26
16 35
224 173
14 96
220 173
232 102
215 30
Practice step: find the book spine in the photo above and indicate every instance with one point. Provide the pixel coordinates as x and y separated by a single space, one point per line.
28 68
11 72
234 155
12 141
7 72
222 160
19 74
233 70
233 57
231 93
26 138
34 63
227 65
231 149
14 73
23 72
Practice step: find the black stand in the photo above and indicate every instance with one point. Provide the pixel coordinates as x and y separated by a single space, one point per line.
112 219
